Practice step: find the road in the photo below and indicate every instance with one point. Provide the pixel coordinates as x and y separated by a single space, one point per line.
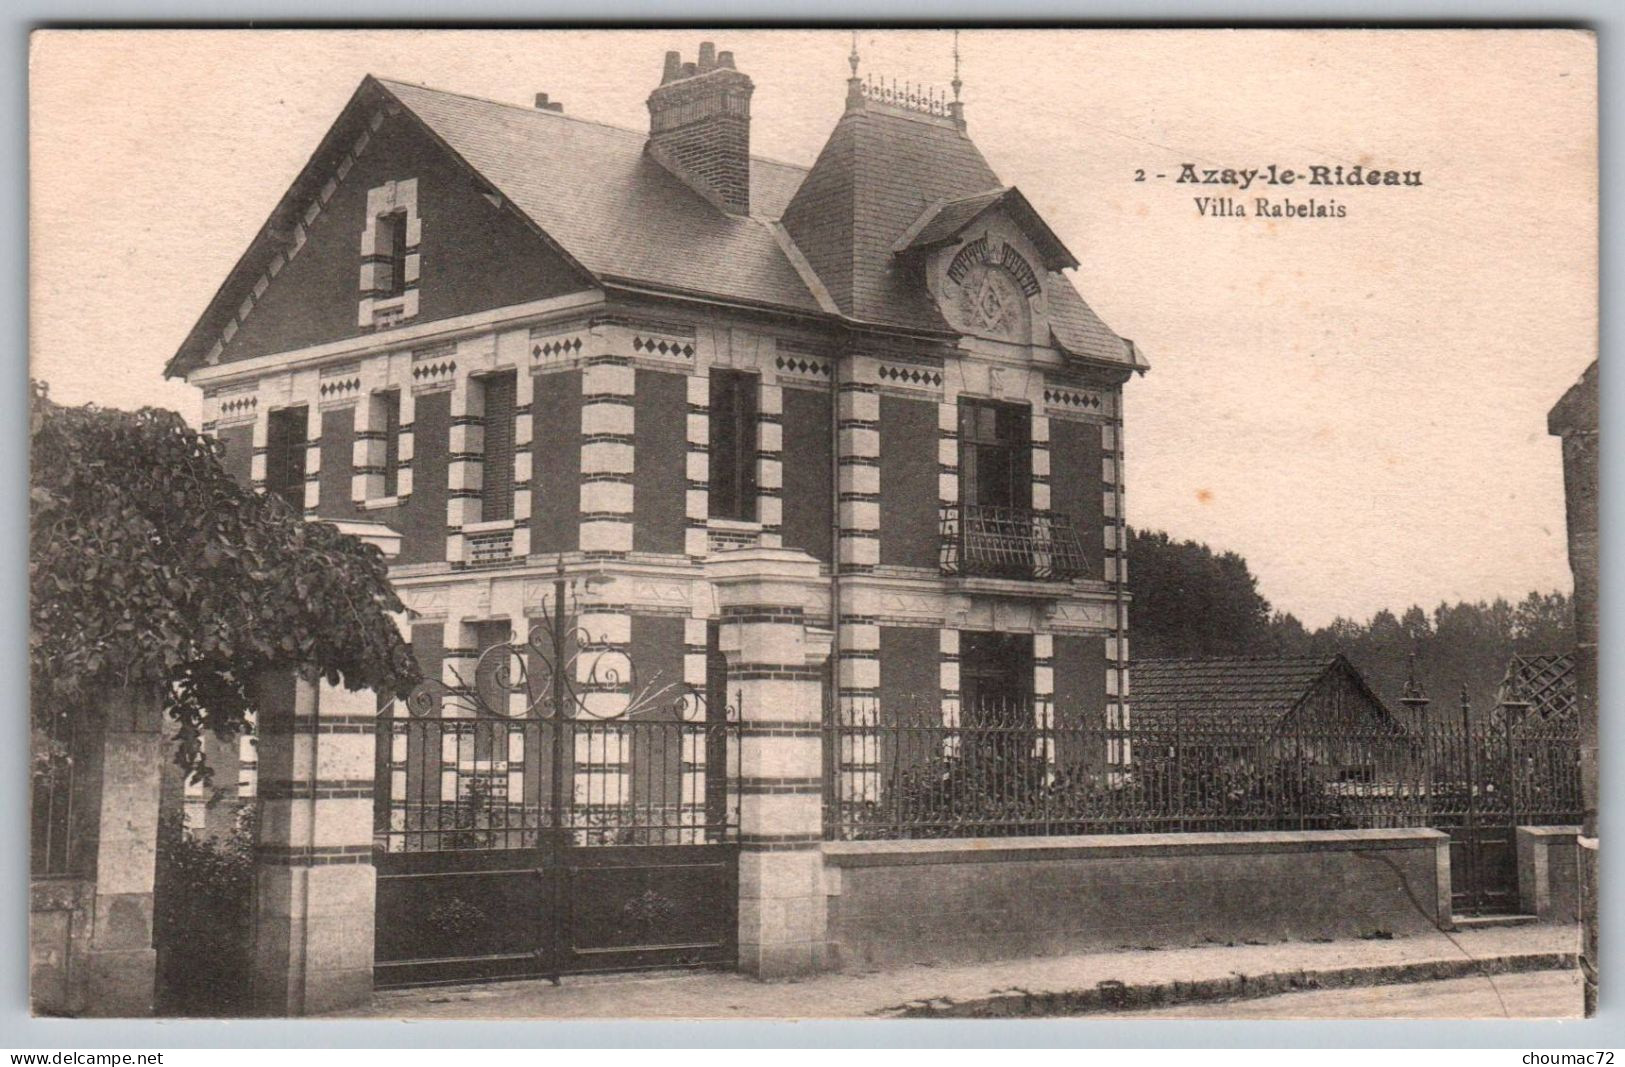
1540 995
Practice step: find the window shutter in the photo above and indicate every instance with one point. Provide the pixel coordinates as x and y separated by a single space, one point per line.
497 495
391 403
746 391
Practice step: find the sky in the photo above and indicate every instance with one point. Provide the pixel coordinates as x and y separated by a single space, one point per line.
1357 405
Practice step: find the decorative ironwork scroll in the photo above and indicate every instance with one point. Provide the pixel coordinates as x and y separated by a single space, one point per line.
553 674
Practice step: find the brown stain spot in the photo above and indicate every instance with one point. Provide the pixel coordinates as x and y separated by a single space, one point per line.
1204 496
1142 211
1323 434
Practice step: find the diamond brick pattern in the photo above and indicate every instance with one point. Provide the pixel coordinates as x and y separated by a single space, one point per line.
238 405
340 388
911 376
428 372
1067 398
802 365
562 347
665 348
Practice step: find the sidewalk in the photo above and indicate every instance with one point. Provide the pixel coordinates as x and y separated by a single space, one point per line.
1055 985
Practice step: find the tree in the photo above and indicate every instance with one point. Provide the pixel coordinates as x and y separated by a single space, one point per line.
151 568
1191 601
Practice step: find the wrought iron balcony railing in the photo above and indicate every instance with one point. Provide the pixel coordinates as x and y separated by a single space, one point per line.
981 541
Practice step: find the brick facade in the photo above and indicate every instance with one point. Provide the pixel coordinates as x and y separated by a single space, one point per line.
535 403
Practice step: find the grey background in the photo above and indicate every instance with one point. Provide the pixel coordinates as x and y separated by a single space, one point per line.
18 1031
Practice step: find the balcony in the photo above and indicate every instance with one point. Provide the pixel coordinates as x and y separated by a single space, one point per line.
982 541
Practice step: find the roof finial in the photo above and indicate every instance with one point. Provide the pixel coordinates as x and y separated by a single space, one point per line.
956 110
1413 690
854 85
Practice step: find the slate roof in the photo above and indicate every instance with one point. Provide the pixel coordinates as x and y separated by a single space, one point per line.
943 221
1249 691
616 210
1080 331
945 218
818 241
880 169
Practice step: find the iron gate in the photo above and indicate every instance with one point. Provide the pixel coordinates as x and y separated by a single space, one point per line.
554 817
1487 779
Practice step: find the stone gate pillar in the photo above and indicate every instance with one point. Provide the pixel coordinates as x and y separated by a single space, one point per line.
120 799
776 673
315 887
314 883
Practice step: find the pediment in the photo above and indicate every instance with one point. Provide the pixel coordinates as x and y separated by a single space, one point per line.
990 282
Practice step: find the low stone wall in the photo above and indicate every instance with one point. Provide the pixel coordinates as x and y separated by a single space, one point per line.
1549 872
901 902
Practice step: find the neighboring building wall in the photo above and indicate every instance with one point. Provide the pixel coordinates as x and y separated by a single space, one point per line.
1576 418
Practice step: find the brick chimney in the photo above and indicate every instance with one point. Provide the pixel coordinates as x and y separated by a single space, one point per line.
699 126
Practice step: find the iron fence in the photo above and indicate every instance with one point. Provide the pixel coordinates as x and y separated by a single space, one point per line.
51 801
1025 767
466 784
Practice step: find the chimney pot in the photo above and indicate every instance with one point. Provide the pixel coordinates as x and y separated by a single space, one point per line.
699 128
541 101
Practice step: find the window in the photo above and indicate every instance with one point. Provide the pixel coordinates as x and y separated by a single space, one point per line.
995 464
996 678
285 456
733 445
497 494
389 424
392 253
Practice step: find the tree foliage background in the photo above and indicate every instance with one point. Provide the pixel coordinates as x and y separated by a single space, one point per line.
150 567
1190 601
